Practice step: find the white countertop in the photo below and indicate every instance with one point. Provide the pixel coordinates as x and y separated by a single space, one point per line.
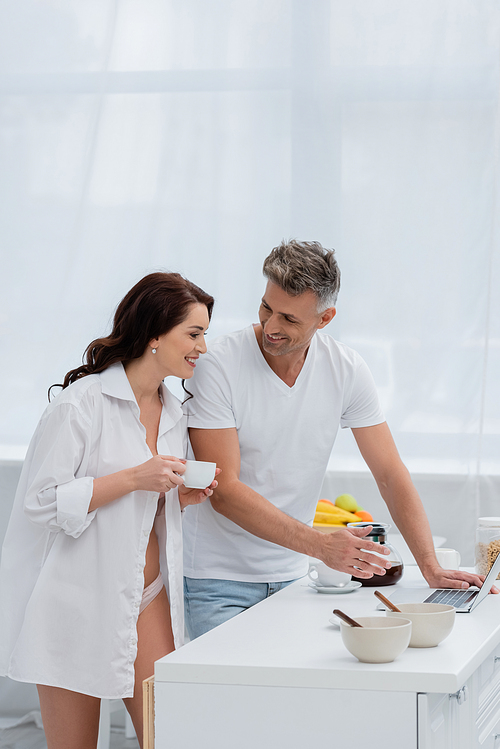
287 640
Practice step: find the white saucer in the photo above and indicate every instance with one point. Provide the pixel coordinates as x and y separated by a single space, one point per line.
335 622
349 588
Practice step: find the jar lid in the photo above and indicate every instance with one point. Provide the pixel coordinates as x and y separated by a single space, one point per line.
378 529
489 522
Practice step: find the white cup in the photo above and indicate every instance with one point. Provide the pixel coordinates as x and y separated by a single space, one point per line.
449 559
198 475
325 577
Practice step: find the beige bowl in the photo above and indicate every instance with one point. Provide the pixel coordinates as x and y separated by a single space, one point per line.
379 640
431 622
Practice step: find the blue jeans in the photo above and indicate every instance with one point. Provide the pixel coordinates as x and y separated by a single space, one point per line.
209 603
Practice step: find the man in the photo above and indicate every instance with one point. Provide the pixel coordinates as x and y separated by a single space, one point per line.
268 401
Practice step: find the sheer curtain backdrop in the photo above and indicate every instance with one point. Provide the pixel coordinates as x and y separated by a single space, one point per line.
193 135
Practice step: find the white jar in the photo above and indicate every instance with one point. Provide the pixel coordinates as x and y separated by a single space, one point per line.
487 544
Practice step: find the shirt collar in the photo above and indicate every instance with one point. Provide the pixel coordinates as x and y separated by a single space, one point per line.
114 382
172 410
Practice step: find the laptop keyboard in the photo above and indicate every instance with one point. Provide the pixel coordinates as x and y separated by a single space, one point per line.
457 598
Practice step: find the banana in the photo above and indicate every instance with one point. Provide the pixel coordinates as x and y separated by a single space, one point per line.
325 506
329 518
337 514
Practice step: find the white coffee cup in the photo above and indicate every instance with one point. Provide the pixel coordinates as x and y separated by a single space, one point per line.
449 559
325 577
198 474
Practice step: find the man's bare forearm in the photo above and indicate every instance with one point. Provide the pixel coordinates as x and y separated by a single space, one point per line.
255 514
408 513
406 508
341 549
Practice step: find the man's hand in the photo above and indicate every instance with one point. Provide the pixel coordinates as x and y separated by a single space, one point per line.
349 551
440 578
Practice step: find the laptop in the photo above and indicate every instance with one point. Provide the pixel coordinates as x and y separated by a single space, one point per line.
464 601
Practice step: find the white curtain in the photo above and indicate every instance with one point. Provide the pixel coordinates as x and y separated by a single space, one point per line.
193 135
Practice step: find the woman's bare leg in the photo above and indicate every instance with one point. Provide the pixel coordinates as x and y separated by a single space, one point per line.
70 719
154 640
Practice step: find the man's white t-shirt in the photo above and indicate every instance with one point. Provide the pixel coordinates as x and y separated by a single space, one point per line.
286 435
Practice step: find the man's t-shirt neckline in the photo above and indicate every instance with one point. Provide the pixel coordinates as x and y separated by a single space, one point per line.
262 363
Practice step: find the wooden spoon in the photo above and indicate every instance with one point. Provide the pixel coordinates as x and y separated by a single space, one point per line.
347 619
390 605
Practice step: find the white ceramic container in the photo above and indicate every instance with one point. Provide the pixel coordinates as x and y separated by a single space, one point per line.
449 559
431 622
378 640
322 575
198 474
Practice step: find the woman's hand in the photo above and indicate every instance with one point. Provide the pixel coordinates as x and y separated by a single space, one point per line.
160 474
195 496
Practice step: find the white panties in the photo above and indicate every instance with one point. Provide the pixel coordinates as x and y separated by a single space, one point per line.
151 592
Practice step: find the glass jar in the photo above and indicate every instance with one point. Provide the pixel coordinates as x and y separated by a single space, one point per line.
378 535
487 544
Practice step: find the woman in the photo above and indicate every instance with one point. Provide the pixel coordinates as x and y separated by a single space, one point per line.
91 574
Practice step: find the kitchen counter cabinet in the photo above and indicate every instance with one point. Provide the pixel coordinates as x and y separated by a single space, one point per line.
279 676
467 719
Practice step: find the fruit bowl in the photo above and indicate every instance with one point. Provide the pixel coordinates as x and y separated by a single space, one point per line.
338 514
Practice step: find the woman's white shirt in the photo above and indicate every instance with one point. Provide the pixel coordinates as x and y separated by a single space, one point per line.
71 581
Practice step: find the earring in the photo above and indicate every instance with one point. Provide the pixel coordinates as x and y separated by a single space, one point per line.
153 351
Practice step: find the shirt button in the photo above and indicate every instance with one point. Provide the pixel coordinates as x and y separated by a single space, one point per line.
146 533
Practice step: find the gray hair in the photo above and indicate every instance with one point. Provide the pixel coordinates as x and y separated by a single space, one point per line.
297 267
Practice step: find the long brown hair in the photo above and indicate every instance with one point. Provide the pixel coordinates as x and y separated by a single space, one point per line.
155 305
